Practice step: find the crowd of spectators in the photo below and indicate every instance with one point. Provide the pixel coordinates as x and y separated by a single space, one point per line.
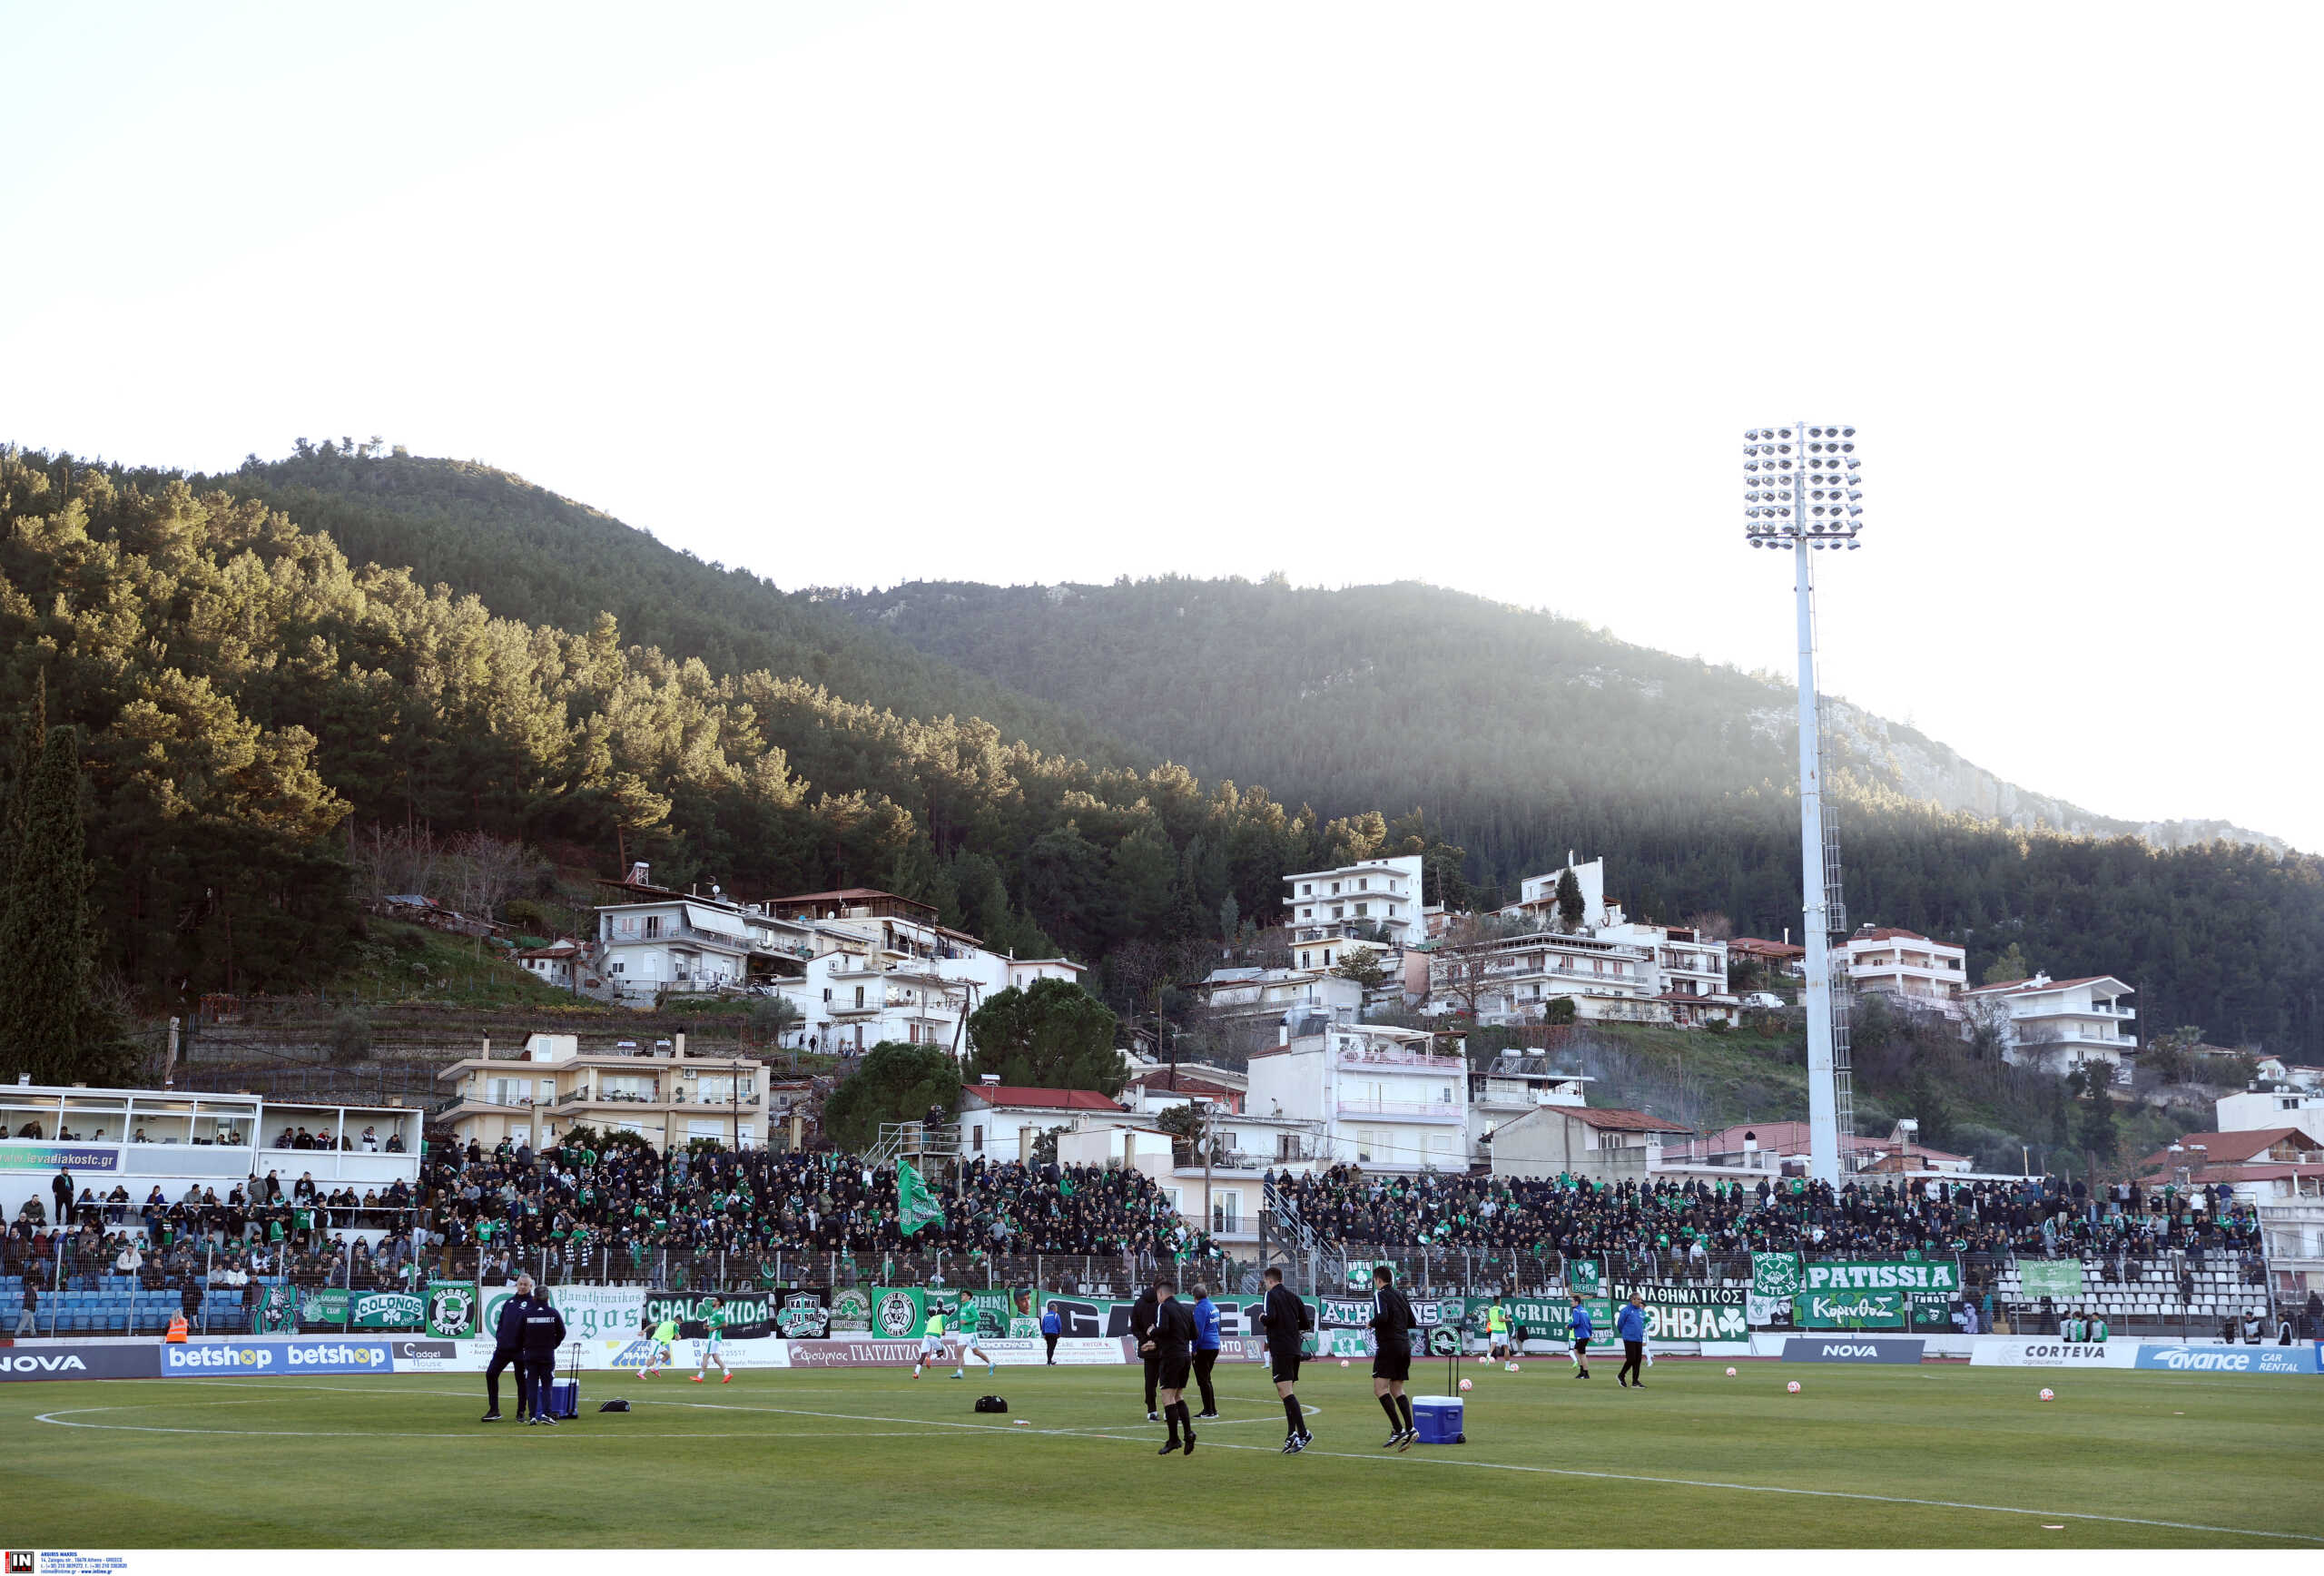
576 1203
1698 1219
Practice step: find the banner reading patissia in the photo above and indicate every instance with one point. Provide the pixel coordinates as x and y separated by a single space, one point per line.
1873 1274
915 1205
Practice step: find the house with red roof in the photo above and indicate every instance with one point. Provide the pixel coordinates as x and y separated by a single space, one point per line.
1598 1142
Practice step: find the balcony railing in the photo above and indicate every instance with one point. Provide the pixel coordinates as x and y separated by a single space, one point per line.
1404 1110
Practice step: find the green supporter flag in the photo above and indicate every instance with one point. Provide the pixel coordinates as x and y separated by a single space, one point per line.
915 1205
451 1307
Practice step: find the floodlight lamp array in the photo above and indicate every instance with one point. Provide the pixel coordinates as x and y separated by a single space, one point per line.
1799 484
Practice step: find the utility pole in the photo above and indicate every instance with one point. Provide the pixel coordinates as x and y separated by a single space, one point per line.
1209 1136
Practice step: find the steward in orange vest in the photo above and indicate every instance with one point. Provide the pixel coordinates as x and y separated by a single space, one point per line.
177 1327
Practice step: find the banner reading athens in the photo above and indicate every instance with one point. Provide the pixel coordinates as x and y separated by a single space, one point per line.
1877 1275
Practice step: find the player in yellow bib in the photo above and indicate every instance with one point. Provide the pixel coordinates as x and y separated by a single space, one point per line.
665 1336
932 1342
1497 1329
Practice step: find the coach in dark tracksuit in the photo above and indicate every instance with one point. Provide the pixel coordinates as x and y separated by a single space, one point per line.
536 1362
1206 1334
1173 1348
1283 1324
1141 1331
507 1343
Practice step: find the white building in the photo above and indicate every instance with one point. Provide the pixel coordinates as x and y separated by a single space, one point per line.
1510 979
655 942
1908 966
1373 898
1576 1140
1515 1085
562 964
1379 1097
1002 1123
2059 1025
2255 1110
1537 897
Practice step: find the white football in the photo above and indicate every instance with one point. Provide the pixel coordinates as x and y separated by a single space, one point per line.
1468 1384
1792 1388
1342 1361
1512 1368
2049 1396
1730 1373
1021 1423
1484 1362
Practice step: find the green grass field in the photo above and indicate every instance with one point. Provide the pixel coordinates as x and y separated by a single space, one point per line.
1933 1456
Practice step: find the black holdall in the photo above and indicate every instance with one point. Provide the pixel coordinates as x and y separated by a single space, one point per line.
618 1404
991 1404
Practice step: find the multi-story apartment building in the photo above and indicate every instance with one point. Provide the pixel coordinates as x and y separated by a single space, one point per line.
1510 977
654 941
667 1101
1374 902
1380 1097
2059 1025
1908 966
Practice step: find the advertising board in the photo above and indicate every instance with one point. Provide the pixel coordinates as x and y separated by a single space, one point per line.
2218 1358
1852 1349
293 1355
2054 1354
93 1360
23 1157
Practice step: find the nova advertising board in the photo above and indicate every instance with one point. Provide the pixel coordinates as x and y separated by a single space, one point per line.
591 1313
1880 1274
21 1156
2210 1357
1852 1349
2054 1353
91 1360
293 1355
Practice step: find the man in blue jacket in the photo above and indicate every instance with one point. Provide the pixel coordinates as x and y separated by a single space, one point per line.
1629 1323
1205 1348
508 1342
1052 1327
1583 1330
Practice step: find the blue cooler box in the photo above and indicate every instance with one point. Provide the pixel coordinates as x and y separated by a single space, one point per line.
565 1399
1438 1419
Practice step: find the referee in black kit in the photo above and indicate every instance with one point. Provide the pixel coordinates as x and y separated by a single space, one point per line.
1392 1360
1172 1347
1283 1323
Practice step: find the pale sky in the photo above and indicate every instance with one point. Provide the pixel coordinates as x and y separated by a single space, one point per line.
1483 296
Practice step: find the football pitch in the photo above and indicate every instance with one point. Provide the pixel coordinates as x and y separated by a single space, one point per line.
1870 1456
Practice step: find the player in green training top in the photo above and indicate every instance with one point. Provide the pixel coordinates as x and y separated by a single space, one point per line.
665 1336
714 1343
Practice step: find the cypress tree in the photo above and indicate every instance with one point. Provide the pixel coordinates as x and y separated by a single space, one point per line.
44 932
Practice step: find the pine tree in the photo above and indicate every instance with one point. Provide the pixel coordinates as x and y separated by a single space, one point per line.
1570 907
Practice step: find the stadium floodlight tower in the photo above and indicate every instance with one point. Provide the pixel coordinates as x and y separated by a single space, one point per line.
1799 492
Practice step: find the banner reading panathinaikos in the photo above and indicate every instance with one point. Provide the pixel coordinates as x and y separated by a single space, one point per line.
1848 1310
1874 1274
451 1308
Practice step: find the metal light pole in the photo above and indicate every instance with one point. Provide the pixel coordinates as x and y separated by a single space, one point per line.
1799 492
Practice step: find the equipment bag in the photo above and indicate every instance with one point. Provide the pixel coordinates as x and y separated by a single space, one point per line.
991 1404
